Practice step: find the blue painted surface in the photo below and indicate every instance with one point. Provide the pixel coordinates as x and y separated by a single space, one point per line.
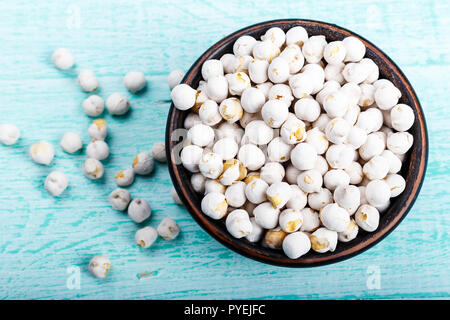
41 237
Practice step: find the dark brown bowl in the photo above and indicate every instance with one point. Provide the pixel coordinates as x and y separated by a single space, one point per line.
413 169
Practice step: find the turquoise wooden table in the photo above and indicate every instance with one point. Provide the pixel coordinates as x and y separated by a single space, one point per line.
46 243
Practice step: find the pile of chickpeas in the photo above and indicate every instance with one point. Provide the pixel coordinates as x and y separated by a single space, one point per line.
98 150
294 141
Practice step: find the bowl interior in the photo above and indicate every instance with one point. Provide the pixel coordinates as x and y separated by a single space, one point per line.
413 167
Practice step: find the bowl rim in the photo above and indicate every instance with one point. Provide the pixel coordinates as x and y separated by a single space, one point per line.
358 248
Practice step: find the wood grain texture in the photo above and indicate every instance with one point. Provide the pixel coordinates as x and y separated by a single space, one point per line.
41 236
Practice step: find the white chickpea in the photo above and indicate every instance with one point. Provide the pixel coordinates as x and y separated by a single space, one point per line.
301 85
337 130
56 182
355 49
145 237
355 172
134 81
212 68
335 178
159 151
265 50
71 142
252 100
175 78
304 156
227 148
256 233
257 70
362 195
93 105
317 74
290 220
352 91
93 169
183 97
367 217
99 266
310 181
294 57
352 114
320 199
198 182
291 174
237 83
367 95
191 120
143 163
376 168
9 134
322 122
396 184
233 170
323 240
276 35
214 205
249 117
98 129
42 152
255 191
377 192
335 104
400 142
63 59
340 156
230 130
139 210
298 198
279 194
274 113
238 223
355 72
334 217
168 229
321 165
386 96
251 156
356 137
395 164
266 216
328 87
335 52
124 178
374 71
402 117
117 104
190 157
241 64
231 110
244 45
119 199
333 72
211 165
216 89
370 120
209 113
278 150
87 80
296 245
293 131
373 146
97 149
201 135
278 70
307 109
311 220
281 92
347 197
313 48
272 172
349 233
213 186
296 35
